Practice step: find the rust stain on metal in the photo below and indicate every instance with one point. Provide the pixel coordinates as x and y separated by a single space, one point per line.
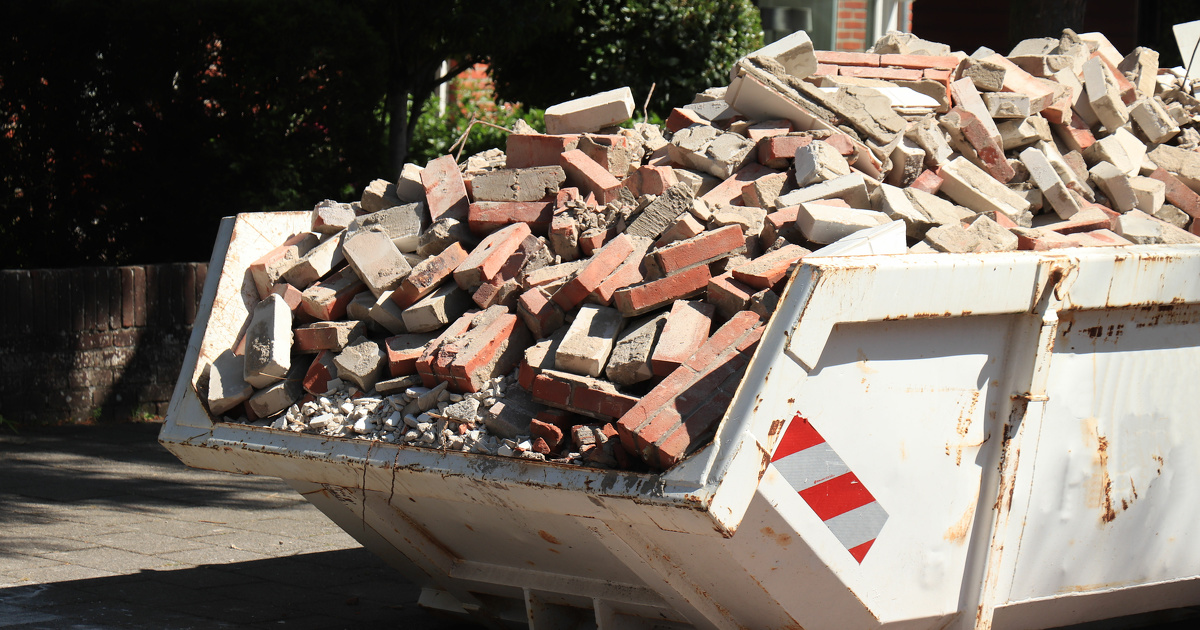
963 426
1100 493
1105 481
782 538
776 427
958 531
548 538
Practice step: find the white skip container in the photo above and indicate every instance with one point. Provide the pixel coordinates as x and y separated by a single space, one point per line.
921 441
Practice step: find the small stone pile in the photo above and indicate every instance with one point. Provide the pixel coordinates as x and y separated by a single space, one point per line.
593 294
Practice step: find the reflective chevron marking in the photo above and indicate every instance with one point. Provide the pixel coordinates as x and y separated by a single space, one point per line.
828 486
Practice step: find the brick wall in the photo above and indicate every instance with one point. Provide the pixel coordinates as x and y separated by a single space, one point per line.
850 31
103 343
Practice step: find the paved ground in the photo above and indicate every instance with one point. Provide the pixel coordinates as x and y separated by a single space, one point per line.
103 529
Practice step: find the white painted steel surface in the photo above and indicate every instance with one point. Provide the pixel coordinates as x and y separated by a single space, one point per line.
1021 423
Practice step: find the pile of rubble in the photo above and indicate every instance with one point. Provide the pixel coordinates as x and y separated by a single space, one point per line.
593 294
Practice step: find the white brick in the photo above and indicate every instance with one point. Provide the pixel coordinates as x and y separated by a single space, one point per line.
590 113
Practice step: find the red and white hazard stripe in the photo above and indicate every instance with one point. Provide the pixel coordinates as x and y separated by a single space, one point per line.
829 487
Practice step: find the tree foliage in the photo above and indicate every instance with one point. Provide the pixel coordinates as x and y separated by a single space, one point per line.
680 46
131 126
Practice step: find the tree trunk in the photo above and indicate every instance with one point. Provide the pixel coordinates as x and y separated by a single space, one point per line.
1043 18
399 129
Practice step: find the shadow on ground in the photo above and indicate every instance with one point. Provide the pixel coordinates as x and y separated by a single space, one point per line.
350 588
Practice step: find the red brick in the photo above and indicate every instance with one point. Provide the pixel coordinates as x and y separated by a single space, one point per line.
551 390
604 148
445 191
489 256
606 260
843 144
551 434
651 180
428 274
316 379
589 243
986 148
709 246
781 223
540 314
1004 221
728 295
727 364
1058 112
639 299
889 74
730 190
1071 226
402 361
685 227
601 402
270 267
1044 240
662 395
826 70
927 181
682 118
941 76
1128 92
919 61
557 417
484 355
686 330
628 273
1076 135
344 283
763 272
727 336
486 217
847 58
1178 194
589 176
527 150
1017 80
672 448
426 361
662 424
769 128
291 296
778 151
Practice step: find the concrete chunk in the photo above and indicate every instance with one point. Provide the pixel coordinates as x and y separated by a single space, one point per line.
1103 95
793 54
1046 178
437 309
376 260
361 363
629 362
268 342
1115 185
402 223
227 386
818 161
851 188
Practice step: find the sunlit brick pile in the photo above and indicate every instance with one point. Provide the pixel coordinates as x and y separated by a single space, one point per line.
593 294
